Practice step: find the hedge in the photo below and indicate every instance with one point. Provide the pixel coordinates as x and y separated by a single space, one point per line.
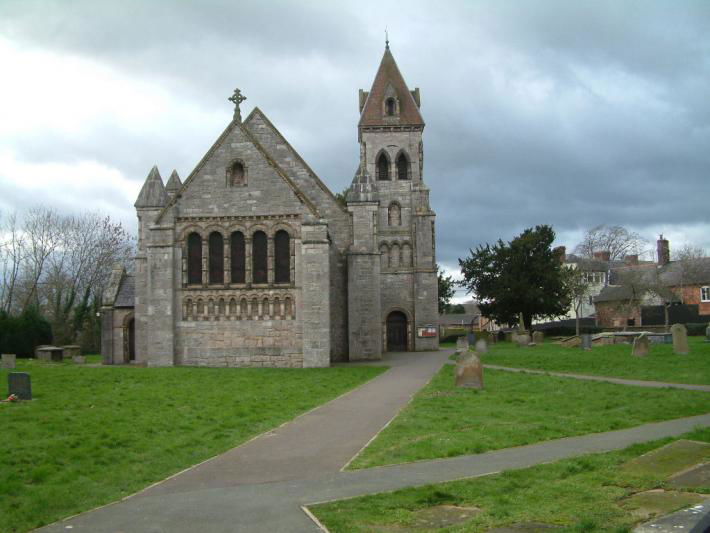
20 334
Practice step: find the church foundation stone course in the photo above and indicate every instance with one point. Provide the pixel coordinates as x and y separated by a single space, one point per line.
251 261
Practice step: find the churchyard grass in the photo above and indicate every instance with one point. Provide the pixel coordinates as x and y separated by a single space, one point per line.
516 409
580 494
93 435
614 360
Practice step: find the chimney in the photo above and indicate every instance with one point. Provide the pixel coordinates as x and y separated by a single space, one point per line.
603 255
663 250
632 259
561 252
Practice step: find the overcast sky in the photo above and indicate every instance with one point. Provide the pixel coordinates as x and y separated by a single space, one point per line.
565 113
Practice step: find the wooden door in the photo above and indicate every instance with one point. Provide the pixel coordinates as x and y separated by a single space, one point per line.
396 332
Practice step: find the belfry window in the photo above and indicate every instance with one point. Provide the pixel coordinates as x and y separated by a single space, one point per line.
216 246
194 258
238 257
383 167
259 257
282 257
390 106
402 167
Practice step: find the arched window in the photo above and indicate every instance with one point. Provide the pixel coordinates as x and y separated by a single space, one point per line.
383 167
394 215
236 175
282 257
394 256
194 258
406 255
390 106
216 245
258 256
238 264
402 167
384 257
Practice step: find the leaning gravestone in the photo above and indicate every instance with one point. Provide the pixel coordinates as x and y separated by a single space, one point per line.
469 372
481 346
586 341
522 340
19 384
680 339
462 344
8 361
641 346
538 337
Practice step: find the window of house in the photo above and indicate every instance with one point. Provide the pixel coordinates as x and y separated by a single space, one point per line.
194 258
390 106
238 257
402 167
259 257
383 167
282 257
705 294
216 255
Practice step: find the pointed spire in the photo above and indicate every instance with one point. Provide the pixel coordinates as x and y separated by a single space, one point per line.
153 192
174 183
389 83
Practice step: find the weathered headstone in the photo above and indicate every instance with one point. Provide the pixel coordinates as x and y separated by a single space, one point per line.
481 346
471 337
680 339
538 337
523 340
469 372
641 346
50 353
462 344
19 384
509 336
79 359
521 323
39 348
707 333
586 341
71 350
8 361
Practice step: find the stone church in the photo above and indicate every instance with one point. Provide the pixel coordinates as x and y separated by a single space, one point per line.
252 261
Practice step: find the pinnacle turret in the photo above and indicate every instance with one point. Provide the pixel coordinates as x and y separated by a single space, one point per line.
153 192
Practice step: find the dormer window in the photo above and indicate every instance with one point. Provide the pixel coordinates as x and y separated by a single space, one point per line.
390 107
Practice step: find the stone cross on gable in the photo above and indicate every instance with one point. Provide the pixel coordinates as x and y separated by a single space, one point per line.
237 98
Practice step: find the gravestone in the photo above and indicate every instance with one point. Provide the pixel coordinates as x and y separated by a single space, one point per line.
680 339
509 336
501 336
462 344
707 333
8 361
522 340
19 384
641 346
481 346
79 359
586 341
50 353
39 348
71 350
538 337
471 337
469 372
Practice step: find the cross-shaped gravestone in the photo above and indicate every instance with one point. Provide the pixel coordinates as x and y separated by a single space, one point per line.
237 98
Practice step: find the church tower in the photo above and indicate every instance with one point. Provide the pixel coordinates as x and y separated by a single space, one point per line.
392 280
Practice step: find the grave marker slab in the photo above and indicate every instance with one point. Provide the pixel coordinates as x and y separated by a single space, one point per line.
471 337
462 344
586 341
538 337
481 346
522 340
641 346
20 385
680 339
469 372
8 361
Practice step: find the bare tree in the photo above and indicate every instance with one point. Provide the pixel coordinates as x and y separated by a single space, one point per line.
691 265
616 240
11 260
578 289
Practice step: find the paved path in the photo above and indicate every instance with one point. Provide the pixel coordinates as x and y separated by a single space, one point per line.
262 485
618 381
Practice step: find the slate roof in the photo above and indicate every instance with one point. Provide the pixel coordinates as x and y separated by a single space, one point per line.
127 292
459 318
388 74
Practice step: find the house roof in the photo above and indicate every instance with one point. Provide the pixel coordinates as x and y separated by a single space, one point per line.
388 75
459 318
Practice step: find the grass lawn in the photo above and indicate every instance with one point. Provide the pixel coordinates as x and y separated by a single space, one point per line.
95 434
616 360
516 409
581 494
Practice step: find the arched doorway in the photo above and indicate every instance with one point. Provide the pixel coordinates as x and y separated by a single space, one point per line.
396 332
129 340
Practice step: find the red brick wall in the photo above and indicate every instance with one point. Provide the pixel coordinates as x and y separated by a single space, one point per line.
691 296
612 314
